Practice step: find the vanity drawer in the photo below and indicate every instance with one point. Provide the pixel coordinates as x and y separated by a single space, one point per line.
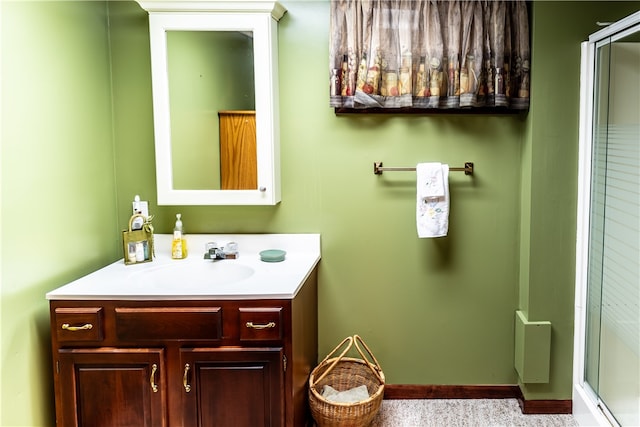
168 323
260 324
79 323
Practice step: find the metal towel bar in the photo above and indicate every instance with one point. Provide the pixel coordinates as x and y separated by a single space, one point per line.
378 168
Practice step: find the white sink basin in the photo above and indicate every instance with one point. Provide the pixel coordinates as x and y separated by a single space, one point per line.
194 275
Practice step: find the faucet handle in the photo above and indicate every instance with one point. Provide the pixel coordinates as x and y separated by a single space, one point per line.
231 248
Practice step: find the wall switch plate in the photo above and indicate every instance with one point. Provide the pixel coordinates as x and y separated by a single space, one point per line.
143 208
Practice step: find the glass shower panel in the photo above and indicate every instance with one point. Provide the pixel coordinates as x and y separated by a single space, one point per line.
612 366
596 232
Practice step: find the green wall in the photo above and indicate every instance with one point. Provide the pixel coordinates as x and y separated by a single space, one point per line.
59 217
434 311
549 178
77 145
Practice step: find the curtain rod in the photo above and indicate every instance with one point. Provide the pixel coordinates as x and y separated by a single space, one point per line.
378 168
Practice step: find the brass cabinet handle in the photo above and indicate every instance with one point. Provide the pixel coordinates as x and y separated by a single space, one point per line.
264 326
152 378
185 378
85 327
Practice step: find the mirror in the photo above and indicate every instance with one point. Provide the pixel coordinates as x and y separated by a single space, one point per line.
205 97
214 77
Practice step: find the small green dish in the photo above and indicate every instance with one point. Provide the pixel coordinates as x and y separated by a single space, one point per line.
272 255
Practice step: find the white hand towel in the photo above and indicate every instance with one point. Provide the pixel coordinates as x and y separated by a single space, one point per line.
429 180
432 210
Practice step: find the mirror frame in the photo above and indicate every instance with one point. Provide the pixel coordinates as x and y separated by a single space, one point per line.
259 17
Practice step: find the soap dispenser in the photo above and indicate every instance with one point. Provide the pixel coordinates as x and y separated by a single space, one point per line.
179 243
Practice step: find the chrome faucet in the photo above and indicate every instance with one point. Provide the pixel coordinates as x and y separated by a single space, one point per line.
215 252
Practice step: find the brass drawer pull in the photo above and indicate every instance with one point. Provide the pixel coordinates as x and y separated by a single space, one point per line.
264 326
185 378
152 378
84 327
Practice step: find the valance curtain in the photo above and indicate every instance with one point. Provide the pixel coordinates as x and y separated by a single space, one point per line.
429 54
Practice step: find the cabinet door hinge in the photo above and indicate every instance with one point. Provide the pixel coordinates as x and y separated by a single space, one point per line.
284 362
57 366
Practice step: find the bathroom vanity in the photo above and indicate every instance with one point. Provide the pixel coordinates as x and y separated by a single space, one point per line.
190 342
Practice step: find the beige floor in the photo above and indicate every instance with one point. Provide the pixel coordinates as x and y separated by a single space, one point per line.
462 413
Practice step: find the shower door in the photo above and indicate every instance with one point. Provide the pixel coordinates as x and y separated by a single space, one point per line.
611 365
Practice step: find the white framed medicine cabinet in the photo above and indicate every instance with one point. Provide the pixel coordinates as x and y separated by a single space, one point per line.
209 57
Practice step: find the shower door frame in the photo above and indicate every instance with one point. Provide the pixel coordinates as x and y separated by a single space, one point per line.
587 407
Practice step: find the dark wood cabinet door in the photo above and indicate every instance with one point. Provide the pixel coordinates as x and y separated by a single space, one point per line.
112 387
233 387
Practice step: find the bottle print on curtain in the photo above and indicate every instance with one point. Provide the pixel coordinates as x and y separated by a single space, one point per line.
429 54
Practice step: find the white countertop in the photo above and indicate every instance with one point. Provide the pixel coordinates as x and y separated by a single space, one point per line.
195 278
